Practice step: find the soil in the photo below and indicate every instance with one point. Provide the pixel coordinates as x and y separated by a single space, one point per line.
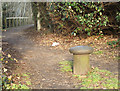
39 58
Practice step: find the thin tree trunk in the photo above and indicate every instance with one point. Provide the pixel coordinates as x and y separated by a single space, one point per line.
38 18
34 11
0 42
0 16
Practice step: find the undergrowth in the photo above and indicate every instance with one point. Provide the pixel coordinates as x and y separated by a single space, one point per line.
114 44
12 81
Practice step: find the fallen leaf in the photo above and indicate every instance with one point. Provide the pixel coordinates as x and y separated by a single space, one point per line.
4 69
1 59
9 78
9 55
18 77
92 67
15 59
6 61
84 76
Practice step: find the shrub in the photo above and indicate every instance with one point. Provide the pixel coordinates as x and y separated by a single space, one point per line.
79 17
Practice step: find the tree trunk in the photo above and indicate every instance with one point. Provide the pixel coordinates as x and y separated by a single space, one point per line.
34 11
0 16
38 18
36 15
41 16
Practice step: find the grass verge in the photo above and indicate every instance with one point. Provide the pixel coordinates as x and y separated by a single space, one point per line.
95 79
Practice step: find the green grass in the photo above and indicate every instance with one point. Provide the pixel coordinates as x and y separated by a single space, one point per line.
66 66
98 52
95 79
118 58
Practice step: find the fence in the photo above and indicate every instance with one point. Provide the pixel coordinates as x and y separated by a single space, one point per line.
9 22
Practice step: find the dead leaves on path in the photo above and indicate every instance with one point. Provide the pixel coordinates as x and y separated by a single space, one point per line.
99 43
65 42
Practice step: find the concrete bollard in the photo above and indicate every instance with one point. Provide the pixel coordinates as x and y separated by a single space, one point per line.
81 63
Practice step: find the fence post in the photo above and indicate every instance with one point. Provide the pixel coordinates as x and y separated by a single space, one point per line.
12 22
27 20
5 20
22 22
9 22
16 22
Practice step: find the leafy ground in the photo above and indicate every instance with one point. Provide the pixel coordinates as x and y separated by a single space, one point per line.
39 60
105 47
13 78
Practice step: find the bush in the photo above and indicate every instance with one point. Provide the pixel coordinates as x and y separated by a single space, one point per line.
79 17
114 44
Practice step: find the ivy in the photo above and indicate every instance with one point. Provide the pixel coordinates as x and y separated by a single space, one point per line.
88 16
114 44
118 17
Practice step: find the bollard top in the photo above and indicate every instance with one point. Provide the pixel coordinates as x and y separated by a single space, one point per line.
81 50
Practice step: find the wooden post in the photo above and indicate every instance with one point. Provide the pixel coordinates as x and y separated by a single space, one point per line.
5 23
16 22
20 22
26 21
12 22
23 21
9 22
